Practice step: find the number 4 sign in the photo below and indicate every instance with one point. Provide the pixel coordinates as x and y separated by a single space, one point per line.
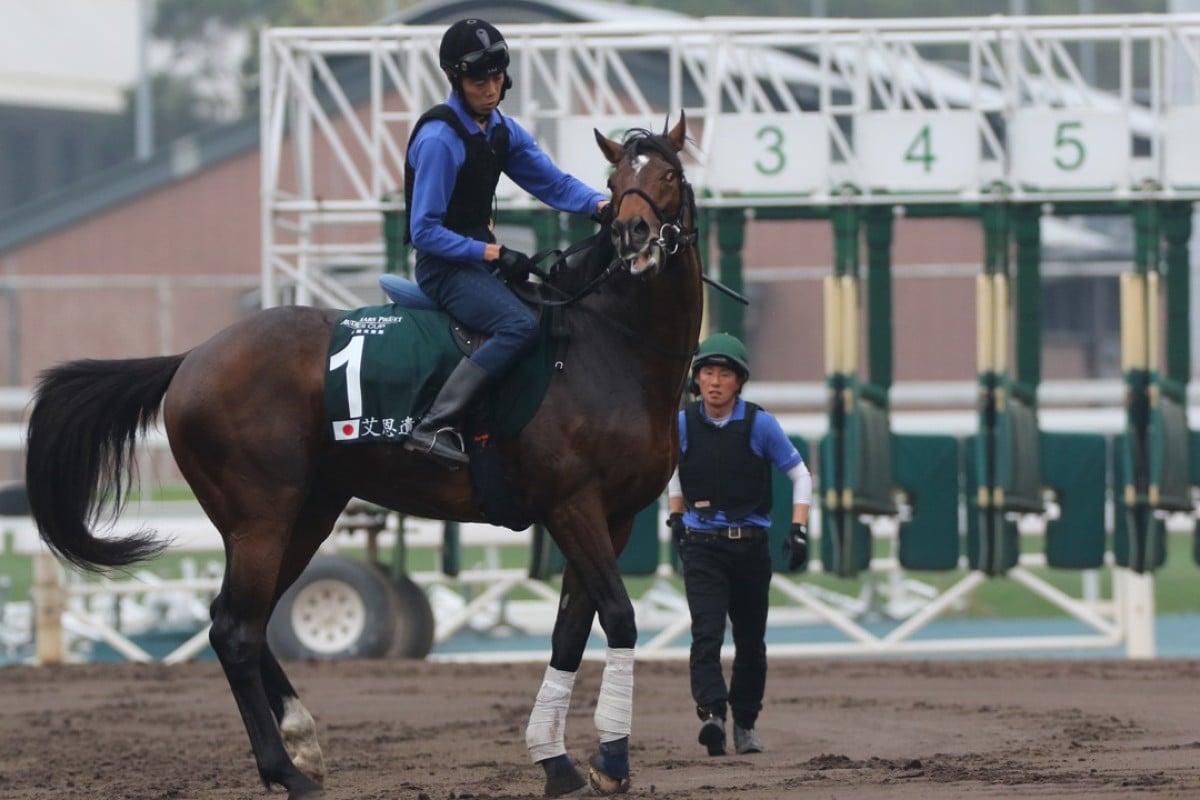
917 150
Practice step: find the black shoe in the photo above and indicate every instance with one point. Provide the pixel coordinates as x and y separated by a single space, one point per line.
435 435
745 740
712 735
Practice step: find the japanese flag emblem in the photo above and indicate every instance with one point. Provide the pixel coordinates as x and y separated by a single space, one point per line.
345 429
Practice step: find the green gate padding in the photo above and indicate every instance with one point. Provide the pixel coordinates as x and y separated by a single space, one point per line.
1017 461
869 456
1011 543
640 556
1194 472
1168 435
927 468
451 549
860 539
781 507
641 553
1121 513
1075 466
545 559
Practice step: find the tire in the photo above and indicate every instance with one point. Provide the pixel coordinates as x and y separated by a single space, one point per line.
338 608
415 625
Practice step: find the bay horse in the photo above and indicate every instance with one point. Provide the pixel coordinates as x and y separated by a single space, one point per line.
244 416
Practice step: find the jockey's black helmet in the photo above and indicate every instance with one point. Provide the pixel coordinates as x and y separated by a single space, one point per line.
473 48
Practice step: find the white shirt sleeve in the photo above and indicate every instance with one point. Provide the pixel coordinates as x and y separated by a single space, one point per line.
675 486
801 484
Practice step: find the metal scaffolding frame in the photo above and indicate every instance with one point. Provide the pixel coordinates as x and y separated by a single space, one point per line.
337 106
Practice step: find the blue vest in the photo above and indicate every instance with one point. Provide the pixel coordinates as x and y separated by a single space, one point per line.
719 471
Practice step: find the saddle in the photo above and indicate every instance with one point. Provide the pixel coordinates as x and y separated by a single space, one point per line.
406 293
490 487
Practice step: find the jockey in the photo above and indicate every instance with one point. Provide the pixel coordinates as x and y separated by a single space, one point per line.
456 153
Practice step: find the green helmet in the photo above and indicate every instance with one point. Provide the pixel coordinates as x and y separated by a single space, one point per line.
724 350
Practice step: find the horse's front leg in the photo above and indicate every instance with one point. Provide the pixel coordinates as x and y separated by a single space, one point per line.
545 736
591 584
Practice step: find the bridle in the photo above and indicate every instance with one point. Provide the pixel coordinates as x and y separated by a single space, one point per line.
673 232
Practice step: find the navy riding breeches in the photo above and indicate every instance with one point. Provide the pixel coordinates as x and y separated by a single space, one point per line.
478 299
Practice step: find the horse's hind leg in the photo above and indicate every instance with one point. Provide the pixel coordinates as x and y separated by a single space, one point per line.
296 723
263 559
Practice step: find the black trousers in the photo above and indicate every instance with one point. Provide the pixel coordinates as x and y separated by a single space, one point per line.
724 577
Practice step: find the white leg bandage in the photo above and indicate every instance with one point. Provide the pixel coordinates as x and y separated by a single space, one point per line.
545 736
614 708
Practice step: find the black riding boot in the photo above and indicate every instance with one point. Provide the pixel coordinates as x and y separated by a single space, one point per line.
435 435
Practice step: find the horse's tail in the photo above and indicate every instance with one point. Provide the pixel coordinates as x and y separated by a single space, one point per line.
86 419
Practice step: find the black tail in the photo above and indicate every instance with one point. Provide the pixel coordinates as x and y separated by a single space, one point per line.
86 419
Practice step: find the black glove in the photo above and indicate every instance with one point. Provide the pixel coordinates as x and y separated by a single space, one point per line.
514 265
603 216
795 547
675 523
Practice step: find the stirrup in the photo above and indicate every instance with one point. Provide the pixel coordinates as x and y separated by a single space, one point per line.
441 452
433 440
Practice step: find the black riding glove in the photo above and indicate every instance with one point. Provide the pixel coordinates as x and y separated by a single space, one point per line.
514 265
678 529
603 216
795 547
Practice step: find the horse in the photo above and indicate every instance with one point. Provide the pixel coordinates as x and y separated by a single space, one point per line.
246 425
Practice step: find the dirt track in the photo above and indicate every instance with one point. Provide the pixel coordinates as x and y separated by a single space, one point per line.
422 731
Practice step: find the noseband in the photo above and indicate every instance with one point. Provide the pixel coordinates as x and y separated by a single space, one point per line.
673 232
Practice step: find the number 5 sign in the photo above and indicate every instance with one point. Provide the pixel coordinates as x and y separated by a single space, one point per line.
768 154
917 150
1076 149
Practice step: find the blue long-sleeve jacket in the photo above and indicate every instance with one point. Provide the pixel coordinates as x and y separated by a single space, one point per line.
438 153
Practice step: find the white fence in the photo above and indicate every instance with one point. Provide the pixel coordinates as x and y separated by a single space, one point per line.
481 597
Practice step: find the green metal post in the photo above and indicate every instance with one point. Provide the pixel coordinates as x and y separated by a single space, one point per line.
731 237
547 230
839 520
395 250
1138 382
1028 328
879 220
1177 227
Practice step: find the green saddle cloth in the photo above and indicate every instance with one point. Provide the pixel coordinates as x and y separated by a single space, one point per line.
386 364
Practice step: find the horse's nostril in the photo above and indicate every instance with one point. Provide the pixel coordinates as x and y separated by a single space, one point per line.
641 229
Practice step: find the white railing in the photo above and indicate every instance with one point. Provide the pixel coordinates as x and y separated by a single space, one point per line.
824 111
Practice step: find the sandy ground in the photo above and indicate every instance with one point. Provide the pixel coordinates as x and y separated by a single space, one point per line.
424 731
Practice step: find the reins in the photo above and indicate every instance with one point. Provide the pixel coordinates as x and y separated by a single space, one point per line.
674 234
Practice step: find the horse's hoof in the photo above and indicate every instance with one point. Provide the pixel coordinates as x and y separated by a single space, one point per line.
607 784
563 779
608 768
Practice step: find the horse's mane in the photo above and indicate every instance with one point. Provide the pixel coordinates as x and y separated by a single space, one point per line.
586 264
639 140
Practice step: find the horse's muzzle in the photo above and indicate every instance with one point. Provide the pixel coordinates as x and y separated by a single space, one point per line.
635 245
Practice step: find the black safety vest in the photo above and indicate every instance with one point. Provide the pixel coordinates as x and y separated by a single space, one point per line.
719 471
469 212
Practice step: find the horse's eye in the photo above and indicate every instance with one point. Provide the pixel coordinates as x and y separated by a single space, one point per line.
670 176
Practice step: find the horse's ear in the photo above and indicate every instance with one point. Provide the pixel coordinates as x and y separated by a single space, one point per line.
613 151
678 134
